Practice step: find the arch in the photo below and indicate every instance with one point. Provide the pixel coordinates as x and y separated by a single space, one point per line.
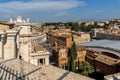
20 57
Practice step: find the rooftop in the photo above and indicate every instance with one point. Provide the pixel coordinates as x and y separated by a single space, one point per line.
115 76
106 44
15 68
107 60
38 48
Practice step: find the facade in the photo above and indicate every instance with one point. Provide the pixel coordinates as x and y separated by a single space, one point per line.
27 37
82 37
90 57
108 36
8 44
60 56
63 39
103 63
112 33
60 40
81 53
8 41
39 56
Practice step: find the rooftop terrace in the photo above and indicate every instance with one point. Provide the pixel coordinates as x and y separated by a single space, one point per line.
17 69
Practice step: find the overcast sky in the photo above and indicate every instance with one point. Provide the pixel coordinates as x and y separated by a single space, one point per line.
60 10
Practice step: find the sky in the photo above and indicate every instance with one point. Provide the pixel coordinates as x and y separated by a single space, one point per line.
60 10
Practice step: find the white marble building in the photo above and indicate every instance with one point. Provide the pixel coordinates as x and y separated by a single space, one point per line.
26 41
18 41
39 55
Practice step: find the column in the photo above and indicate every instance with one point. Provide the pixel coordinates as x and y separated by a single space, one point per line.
10 47
2 46
35 61
18 45
43 61
47 61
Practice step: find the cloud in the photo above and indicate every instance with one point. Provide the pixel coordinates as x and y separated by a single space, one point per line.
40 5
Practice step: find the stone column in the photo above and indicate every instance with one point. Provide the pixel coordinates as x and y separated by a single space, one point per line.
2 39
35 61
43 61
10 46
47 61
2 46
18 46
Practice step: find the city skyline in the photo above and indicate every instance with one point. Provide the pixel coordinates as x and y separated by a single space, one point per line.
60 10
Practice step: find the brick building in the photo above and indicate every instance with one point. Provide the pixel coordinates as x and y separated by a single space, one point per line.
106 64
60 55
63 39
103 63
60 40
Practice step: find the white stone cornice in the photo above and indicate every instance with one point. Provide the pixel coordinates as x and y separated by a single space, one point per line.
11 32
2 32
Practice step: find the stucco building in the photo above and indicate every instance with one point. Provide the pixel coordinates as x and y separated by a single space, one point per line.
81 37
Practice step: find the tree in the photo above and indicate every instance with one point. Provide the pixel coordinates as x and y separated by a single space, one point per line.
74 51
78 65
76 28
72 55
86 68
71 65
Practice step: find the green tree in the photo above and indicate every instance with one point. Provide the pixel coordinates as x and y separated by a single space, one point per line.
74 51
71 65
86 68
76 28
72 55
